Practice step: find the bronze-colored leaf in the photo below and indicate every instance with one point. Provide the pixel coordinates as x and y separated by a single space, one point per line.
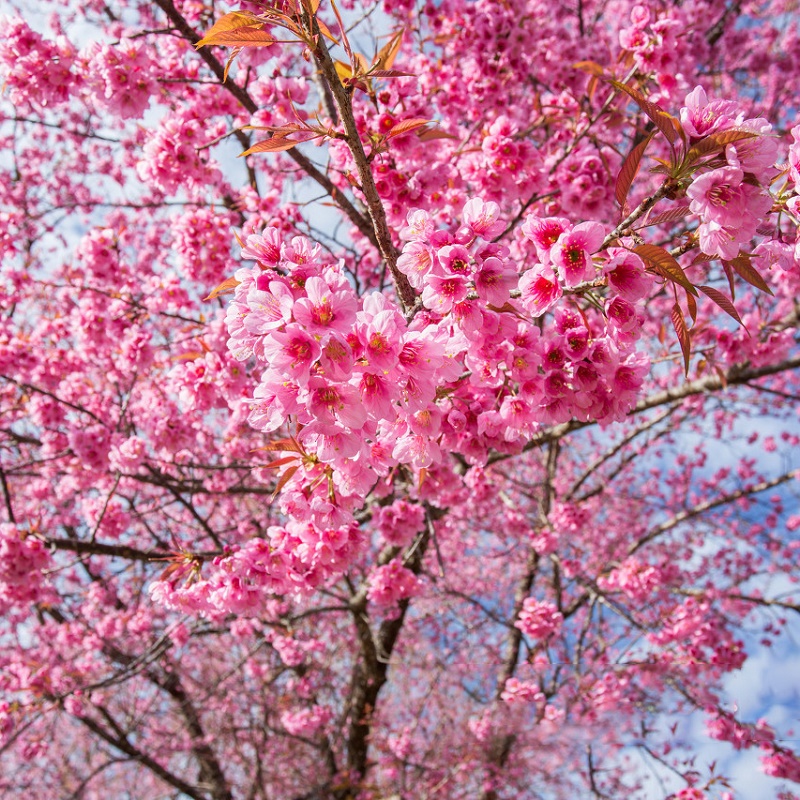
592 67
691 304
237 29
430 134
673 215
743 265
666 123
629 170
389 73
231 58
280 462
326 32
679 323
717 142
276 144
729 275
226 287
284 479
281 445
406 126
722 301
665 264
387 54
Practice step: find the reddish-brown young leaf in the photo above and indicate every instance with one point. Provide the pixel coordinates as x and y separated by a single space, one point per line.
226 287
591 87
284 479
717 142
281 445
673 215
237 29
276 144
389 73
343 30
679 323
592 67
430 134
666 123
630 168
406 126
278 130
387 54
231 58
729 275
326 32
691 304
423 473
665 264
745 270
280 462
190 356
722 301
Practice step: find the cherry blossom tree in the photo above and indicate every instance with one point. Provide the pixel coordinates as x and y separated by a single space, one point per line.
442 445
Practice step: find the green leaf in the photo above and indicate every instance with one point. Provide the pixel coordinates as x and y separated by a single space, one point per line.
665 265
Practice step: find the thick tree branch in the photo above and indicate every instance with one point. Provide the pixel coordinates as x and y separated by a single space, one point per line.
344 104
119 740
371 668
701 508
81 547
502 749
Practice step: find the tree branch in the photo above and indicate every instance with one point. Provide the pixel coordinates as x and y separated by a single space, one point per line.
247 102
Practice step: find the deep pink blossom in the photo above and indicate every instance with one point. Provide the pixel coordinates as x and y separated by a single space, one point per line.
571 254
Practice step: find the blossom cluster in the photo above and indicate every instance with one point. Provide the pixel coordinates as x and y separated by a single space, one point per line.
37 71
539 619
362 388
729 199
22 559
122 76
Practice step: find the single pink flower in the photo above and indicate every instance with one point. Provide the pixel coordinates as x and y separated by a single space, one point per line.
571 254
323 310
482 218
539 290
293 351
